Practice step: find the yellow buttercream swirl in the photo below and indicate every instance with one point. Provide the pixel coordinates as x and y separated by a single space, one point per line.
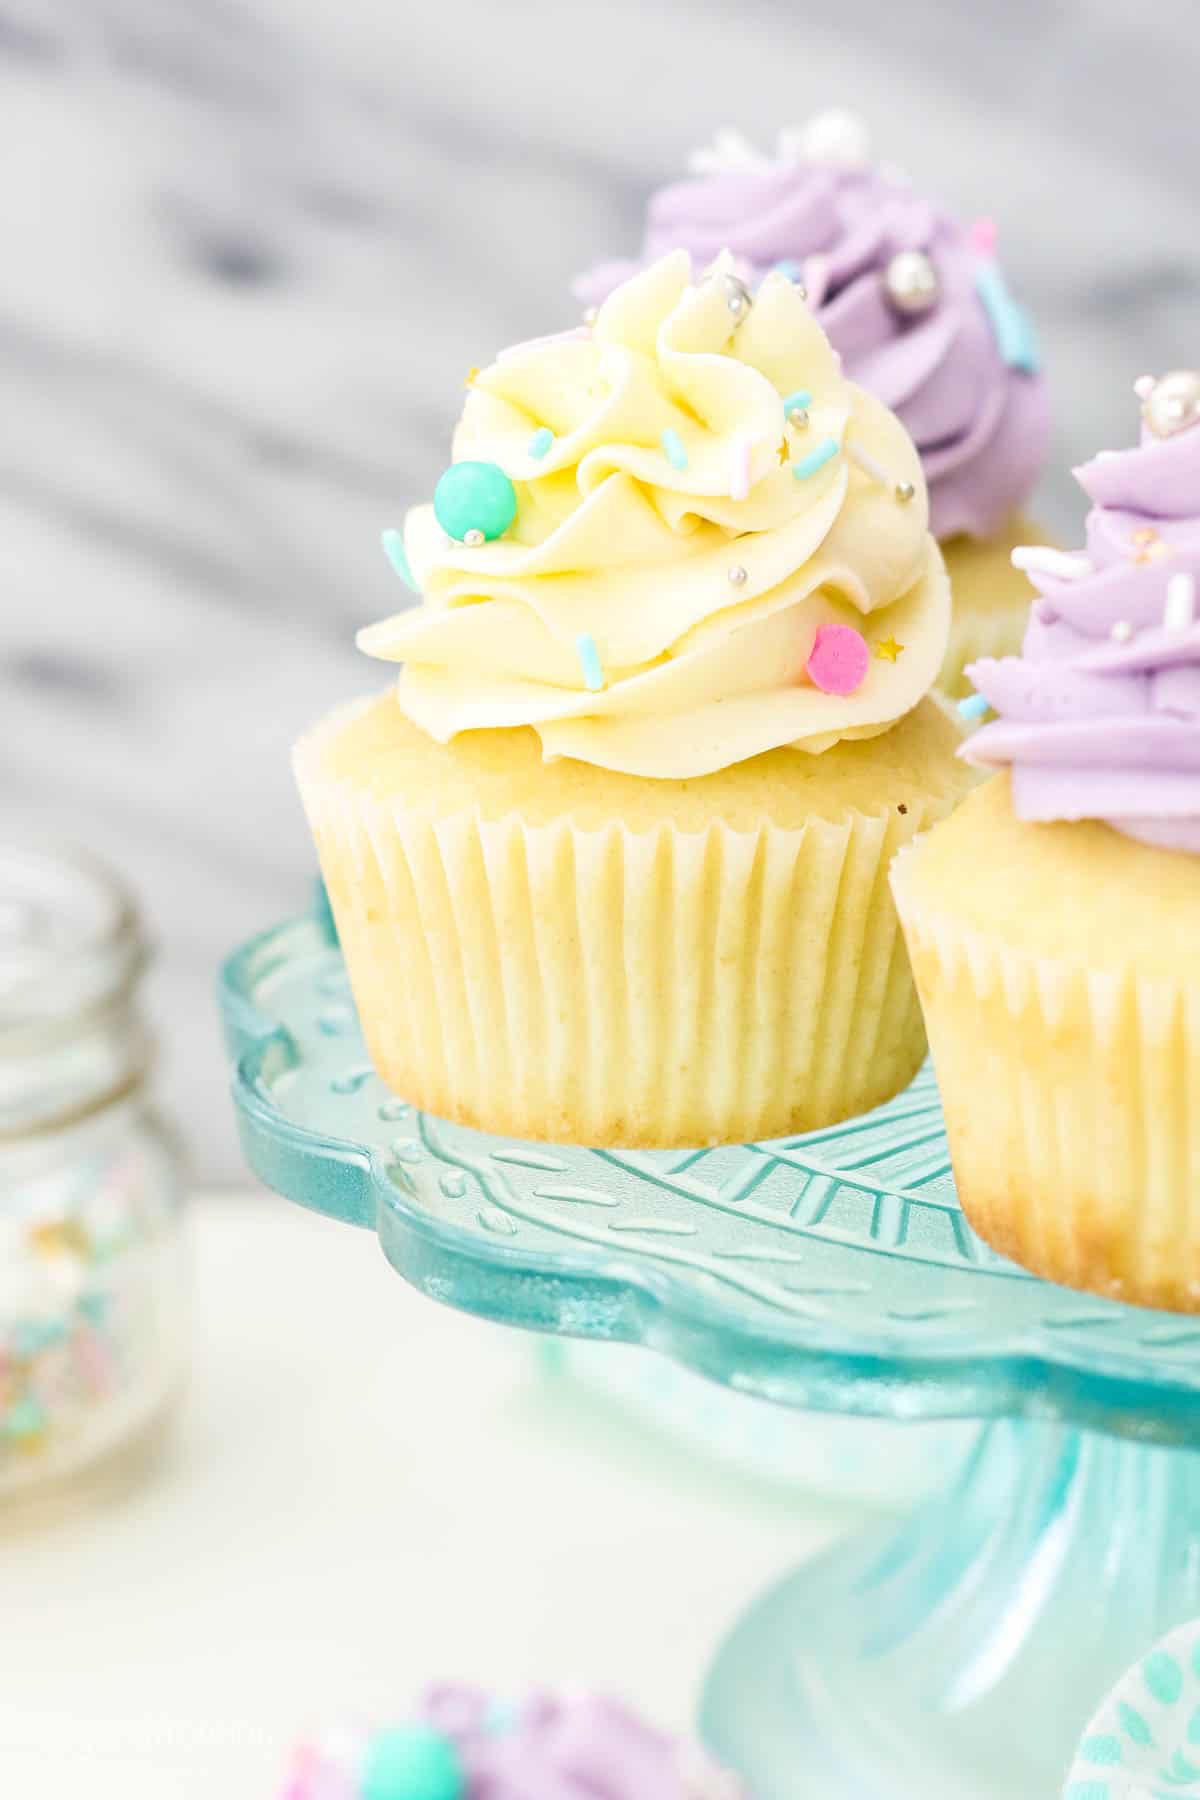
613 542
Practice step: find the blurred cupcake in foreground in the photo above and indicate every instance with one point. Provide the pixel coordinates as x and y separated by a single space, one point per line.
1054 922
609 863
917 306
461 1744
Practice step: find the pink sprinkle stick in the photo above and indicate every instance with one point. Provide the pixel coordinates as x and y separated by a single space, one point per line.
839 660
982 237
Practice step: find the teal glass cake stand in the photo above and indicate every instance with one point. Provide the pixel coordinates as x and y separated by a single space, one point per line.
956 1654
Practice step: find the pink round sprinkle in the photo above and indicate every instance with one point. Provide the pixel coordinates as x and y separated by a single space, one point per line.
839 659
982 236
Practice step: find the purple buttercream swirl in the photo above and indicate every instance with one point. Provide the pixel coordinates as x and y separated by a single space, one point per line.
980 423
1099 718
549 1746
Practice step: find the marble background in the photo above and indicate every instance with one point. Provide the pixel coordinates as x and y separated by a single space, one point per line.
250 248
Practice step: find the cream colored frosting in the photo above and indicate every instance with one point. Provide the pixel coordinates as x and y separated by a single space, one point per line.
612 541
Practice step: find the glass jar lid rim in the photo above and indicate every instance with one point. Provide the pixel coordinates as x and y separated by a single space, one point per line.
70 938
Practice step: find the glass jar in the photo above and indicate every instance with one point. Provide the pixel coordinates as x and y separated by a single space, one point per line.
92 1279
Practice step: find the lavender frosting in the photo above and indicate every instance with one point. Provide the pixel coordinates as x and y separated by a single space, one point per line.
965 387
1099 718
549 1746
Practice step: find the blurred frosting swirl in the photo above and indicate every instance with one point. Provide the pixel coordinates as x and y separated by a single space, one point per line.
620 542
1099 718
822 211
547 1746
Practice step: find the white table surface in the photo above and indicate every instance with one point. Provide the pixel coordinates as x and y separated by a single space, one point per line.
362 1491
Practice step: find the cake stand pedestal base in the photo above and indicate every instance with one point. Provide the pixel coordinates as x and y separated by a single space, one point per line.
961 1652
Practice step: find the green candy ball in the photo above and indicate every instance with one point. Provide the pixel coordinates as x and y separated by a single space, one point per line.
475 496
412 1762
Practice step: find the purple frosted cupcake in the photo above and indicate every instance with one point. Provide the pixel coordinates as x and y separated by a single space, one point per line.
919 310
1052 919
462 1744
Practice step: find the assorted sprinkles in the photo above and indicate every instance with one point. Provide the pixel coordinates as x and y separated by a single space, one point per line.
474 502
393 549
821 453
673 449
839 660
1179 614
795 406
739 467
589 662
1010 323
974 706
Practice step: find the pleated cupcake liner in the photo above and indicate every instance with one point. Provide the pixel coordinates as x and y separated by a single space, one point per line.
610 986
1072 1102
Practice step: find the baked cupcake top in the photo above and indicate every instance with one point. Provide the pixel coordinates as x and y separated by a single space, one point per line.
671 541
1100 715
915 302
463 1745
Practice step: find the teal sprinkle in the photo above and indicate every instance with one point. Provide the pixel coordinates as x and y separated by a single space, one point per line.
412 1762
1133 1725
93 1307
673 449
1163 1676
800 401
1196 1658
1104 1751
540 442
1193 1730
1010 323
789 267
25 1418
1088 1790
393 549
974 706
32 1335
1180 1769
589 658
816 459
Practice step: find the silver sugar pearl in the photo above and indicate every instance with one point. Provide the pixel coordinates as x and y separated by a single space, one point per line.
798 417
738 297
904 492
1122 631
474 537
737 575
1173 403
910 282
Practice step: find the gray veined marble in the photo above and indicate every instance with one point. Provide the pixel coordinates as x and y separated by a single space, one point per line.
250 247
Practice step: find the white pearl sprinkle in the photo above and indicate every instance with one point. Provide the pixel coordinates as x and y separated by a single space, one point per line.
737 575
905 491
1122 631
474 537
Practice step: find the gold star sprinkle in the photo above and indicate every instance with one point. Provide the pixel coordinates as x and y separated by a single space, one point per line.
783 452
887 649
1145 534
471 374
59 1237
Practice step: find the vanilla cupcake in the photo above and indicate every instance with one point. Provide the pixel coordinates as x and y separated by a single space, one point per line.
1054 922
609 862
917 307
